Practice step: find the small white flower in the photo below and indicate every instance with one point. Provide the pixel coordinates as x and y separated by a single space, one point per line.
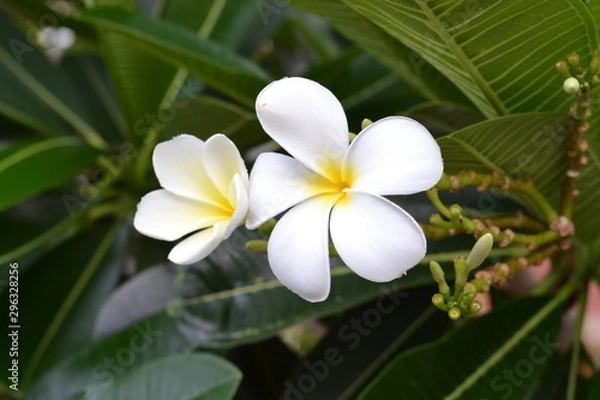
335 188
205 187
56 41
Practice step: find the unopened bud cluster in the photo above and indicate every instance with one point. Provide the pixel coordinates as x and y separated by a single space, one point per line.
462 302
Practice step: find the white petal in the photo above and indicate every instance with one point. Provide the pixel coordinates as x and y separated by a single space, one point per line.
307 120
199 245
179 167
374 237
298 248
239 199
395 155
64 38
223 161
163 215
278 182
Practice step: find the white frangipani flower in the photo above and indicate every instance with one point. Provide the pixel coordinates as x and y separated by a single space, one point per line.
335 188
205 187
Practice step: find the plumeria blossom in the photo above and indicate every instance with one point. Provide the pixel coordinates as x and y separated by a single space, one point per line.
205 189
334 188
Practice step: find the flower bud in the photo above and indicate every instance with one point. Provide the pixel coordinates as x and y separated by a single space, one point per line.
573 60
268 227
480 251
438 276
365 122
563 69
438 301
259 246
454 313
571 85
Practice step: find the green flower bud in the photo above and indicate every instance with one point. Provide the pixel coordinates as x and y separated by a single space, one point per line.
563 69
438 301
454 313
259 246
573 60
571 85
268 227
476 307
480 251
438 276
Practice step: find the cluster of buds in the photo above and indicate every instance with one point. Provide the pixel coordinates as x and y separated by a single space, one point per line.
578 80
462 302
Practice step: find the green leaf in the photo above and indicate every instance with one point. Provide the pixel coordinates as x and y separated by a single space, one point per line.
408 65
224 22
38 224
30 167
237 25
501 54
527 146
595 391
443 118
203 116
231 297
365 88
19 104
214 64
366 339
140 297
67 287
500 354
594 7
103 361
178 377
51 85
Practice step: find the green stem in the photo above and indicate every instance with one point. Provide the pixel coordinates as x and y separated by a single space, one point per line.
437 203
500 181
576 354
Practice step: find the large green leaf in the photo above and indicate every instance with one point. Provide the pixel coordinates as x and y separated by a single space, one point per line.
178 377
364 340
499 53
501 355
224 22
443 118
232 297
30 167
214 64
103 361
46 82
60 296
237 25
19 104
38 224
408 64
527 146
204 116
365 88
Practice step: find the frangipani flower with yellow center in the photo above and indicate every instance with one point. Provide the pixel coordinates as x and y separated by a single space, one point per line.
334 188
205 187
